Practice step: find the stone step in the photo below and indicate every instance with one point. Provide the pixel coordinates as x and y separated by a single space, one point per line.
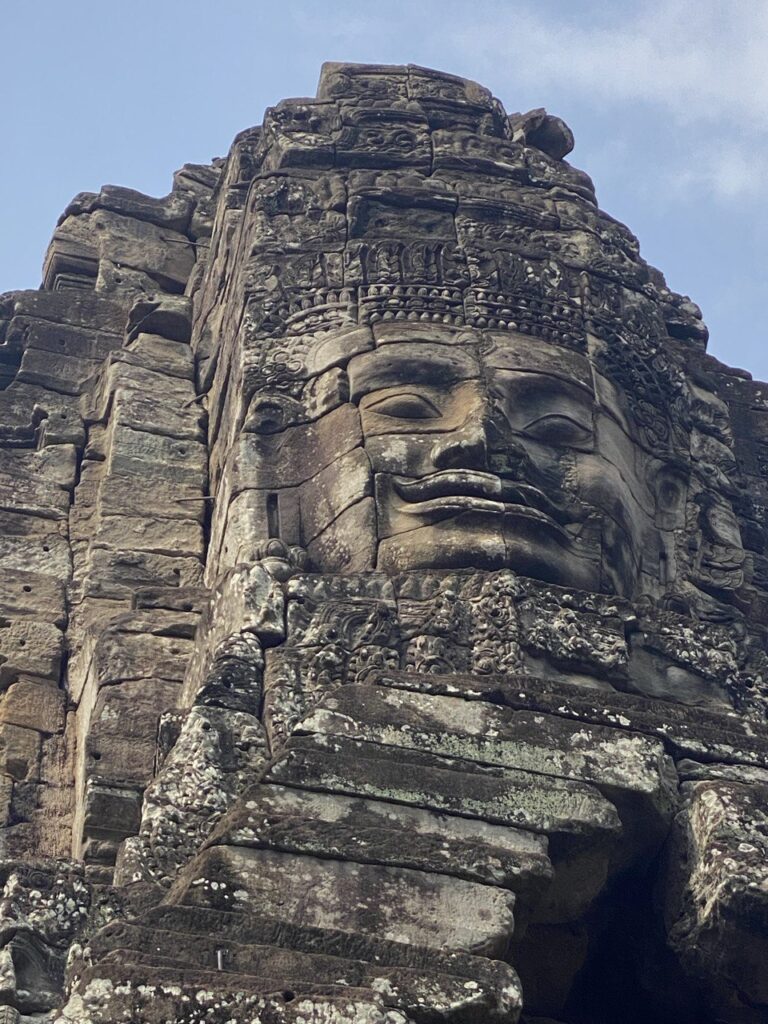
510 797
226 977
456 997
630 769
397 903
373 831
687 731
263 929
612 759
143 994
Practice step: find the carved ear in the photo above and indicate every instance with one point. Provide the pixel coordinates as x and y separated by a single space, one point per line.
270 412
669 488
721 556
719 523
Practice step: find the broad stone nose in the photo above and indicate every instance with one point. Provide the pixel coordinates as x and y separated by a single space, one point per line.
465 447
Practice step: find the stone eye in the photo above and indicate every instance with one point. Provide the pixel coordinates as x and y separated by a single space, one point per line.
559 430
406 406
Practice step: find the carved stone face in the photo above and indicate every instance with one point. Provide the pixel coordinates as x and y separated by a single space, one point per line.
420 446
503 451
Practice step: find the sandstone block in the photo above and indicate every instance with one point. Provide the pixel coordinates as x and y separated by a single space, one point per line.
174 537
121 744
143 412
173 358
168 316
142 452
416 992
717 886
163 254
111 812
36 555
370 831
122 656
688 731
117 573
22 494
394 903
19 752
130 495
30 647
123 371
290 457
78 309
485 734
505 797
6 794
171 211
110 990
33 705
194 921
348 544
75 343
35 595
67 374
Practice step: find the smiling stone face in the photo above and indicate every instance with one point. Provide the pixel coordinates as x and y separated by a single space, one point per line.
427 447
501 452
455 359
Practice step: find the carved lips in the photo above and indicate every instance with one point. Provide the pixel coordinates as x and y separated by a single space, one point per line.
452 491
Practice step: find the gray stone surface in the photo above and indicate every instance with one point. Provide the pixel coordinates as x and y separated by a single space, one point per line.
399 904
381 553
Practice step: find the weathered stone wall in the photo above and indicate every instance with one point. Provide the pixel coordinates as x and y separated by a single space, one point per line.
383 619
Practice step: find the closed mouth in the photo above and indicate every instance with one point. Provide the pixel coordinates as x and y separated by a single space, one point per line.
462 490
454 492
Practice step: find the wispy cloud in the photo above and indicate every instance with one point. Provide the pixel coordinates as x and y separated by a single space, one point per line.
701 67
705 59
698 65
730 174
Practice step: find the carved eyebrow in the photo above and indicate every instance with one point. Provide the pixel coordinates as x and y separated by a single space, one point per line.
377 374
536 385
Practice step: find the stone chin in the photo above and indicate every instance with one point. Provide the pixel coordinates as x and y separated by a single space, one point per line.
507 537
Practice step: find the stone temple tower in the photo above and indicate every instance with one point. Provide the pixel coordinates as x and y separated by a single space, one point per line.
384 595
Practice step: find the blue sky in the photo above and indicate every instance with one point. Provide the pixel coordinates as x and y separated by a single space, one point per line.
668 102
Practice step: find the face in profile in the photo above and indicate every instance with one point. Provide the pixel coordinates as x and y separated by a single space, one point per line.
508 452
